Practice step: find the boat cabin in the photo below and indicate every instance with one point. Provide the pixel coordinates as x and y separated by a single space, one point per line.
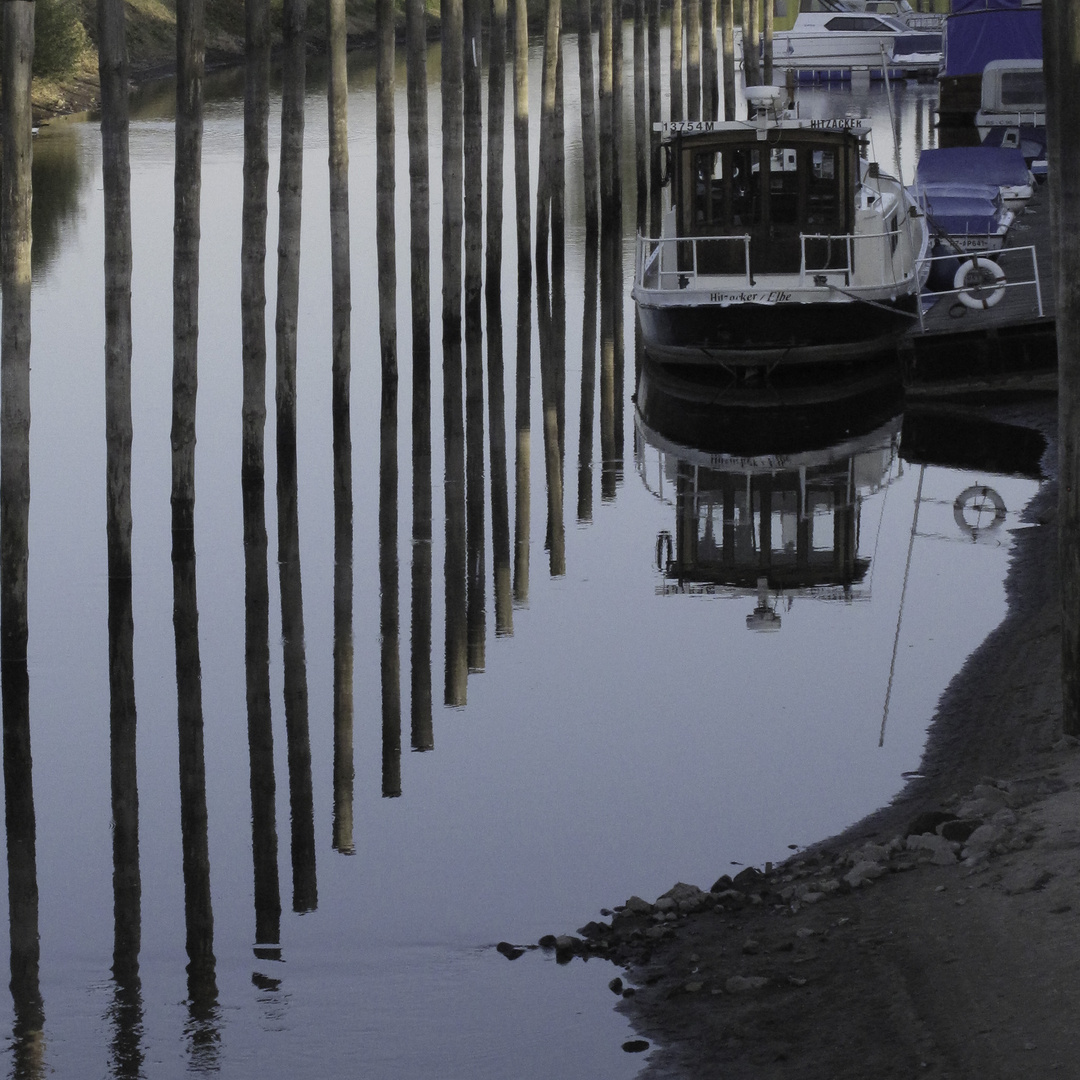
759 197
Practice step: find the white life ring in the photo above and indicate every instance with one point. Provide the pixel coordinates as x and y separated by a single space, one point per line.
987 290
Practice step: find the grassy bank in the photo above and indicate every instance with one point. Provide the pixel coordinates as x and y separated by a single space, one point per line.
72 85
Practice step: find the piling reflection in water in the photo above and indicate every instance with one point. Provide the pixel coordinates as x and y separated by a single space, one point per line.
588 383
264 840
522 444
389 656
500 508
297 735
343 630
551 315
203 1014
475 491
28 1034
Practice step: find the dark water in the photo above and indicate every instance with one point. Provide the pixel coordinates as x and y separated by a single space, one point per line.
621 727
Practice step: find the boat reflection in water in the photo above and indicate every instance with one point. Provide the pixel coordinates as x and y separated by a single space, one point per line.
767 501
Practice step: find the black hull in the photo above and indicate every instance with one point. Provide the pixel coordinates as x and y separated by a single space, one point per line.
755 335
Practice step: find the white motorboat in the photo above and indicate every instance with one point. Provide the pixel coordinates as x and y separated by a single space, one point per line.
782 245
828 35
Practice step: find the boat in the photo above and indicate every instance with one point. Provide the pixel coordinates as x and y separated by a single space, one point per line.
781 246
918 21
829 36
991 171
999 37
1012 111
971 196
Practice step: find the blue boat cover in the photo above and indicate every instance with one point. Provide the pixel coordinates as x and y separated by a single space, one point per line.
960 6
975 38
967 165
971 216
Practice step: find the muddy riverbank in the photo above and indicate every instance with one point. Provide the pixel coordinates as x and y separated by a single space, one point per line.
939 936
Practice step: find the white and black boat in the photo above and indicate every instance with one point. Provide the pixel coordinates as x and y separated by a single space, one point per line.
835 36
781 245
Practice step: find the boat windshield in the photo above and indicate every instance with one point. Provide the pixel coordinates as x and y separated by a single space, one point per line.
773 193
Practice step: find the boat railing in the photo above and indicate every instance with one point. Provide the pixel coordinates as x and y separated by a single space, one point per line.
671 263
981 282
675 263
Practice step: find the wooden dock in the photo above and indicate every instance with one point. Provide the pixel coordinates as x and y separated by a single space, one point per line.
1008 347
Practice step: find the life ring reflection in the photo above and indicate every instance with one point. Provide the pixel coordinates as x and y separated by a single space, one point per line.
978 510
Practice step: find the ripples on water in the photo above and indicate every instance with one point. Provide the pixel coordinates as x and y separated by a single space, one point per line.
619 728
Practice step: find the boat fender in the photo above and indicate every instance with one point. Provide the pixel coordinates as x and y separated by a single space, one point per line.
987 290
663 550
663 163
978 509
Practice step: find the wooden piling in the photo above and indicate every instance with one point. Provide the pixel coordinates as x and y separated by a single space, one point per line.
727 47
641 117
545 167
710 88
655 92
767 50
190 52
496 115
473 149
1061 51
521 139
452 151
589 147
675 93
337 94
693 59
385 181
290 195
422 732
253 238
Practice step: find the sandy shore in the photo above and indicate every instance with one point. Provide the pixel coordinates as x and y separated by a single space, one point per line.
882 954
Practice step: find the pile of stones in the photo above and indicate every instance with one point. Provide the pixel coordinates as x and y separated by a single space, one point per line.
968 835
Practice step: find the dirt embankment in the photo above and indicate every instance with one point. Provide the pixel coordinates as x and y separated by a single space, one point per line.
937 938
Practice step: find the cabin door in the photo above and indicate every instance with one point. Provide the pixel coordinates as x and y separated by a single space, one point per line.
804 211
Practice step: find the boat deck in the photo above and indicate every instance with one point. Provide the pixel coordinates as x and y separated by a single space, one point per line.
1010 346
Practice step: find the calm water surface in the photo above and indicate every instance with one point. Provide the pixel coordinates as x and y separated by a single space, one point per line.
628 731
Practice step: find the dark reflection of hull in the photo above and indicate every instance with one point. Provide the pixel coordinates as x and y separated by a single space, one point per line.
960 440
712 414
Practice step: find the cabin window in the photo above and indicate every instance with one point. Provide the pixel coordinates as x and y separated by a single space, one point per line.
859 23
745 187
1023 88
784 185
823 192
708 188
